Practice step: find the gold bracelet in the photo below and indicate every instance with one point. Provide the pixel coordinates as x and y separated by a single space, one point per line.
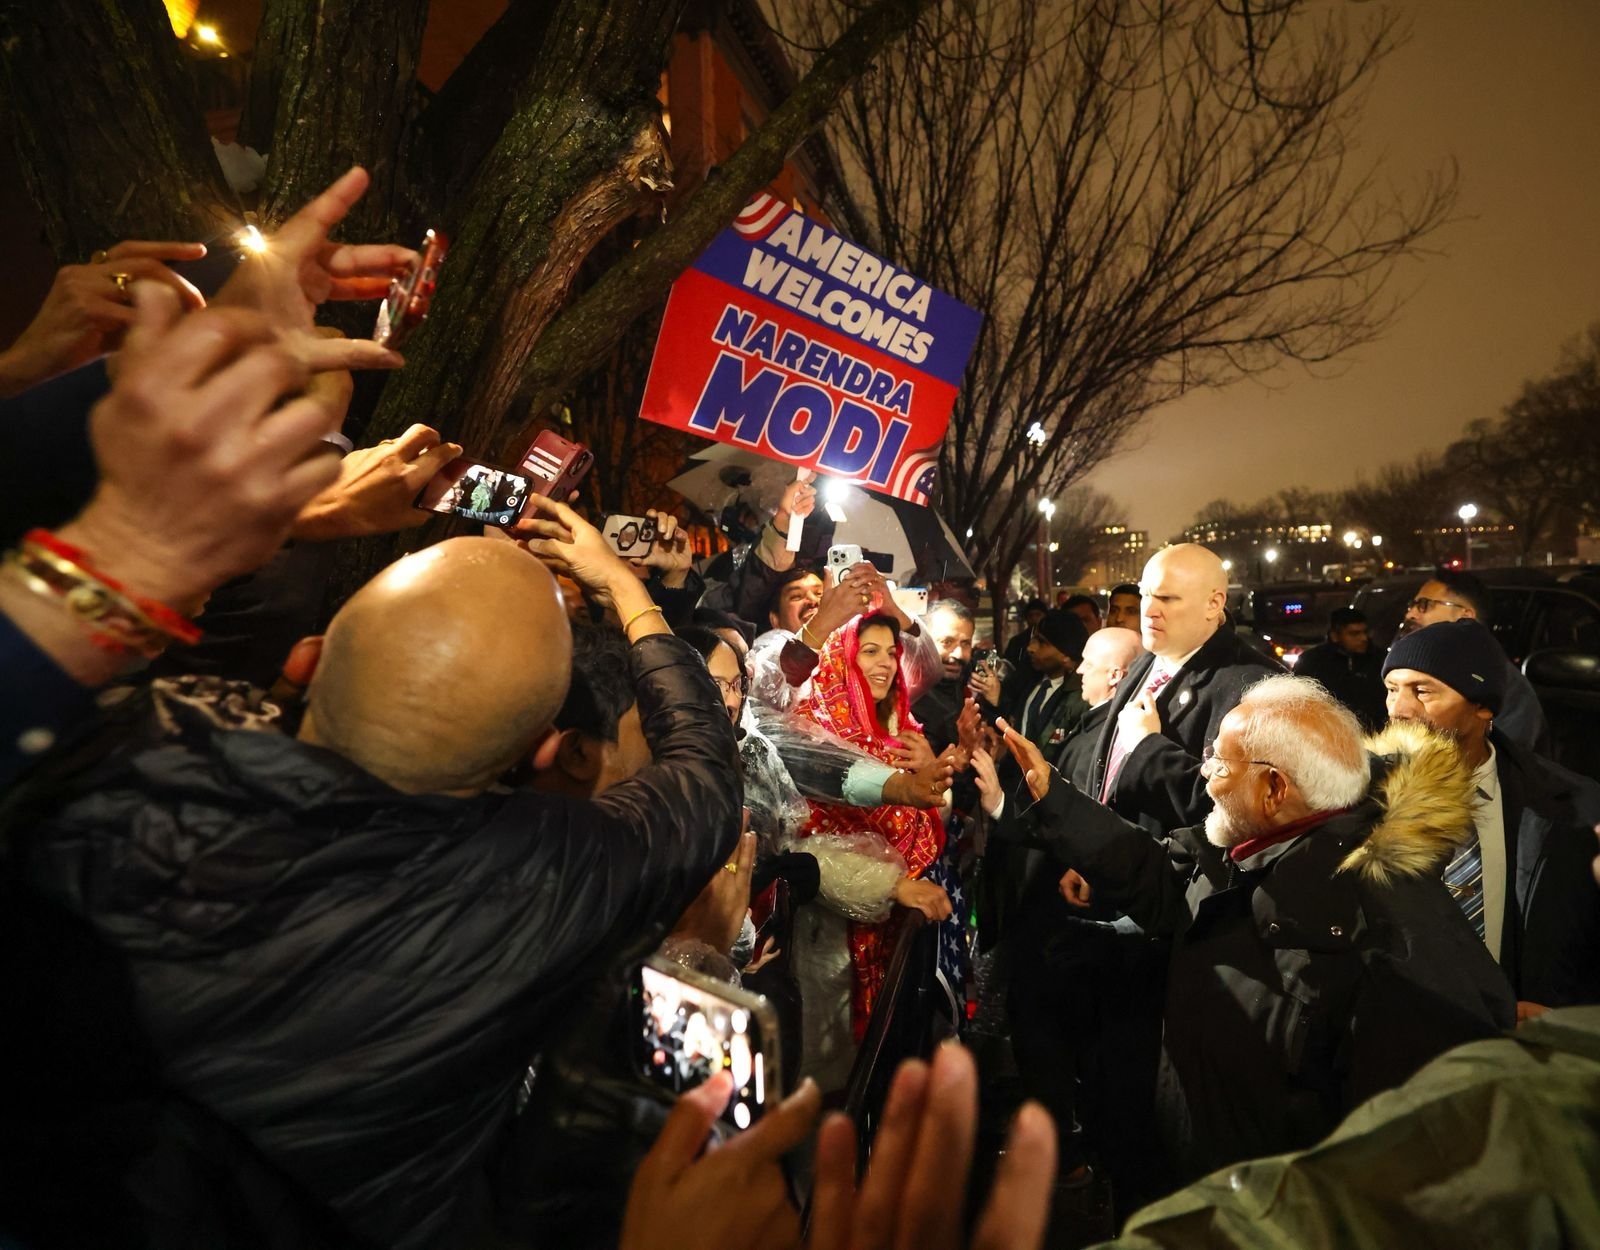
111 622
654 607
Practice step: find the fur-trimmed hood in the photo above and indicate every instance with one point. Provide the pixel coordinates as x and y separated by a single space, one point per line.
1425 790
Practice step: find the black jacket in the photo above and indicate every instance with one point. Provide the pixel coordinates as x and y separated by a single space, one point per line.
1550 940
1311 976
1159 782
1355 680
353 978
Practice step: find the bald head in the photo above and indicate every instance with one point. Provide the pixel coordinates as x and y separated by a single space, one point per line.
1183 594
1107 656
445 668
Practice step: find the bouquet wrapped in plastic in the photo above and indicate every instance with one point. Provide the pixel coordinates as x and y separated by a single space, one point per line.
858 872
821 765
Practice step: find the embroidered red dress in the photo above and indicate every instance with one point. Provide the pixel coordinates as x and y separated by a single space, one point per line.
841 702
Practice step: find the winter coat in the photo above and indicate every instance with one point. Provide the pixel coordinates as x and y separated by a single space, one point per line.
1311 975
1159 782
1496 1143
354 978
1356 680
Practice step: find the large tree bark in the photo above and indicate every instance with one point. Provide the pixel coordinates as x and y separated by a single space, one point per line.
594 323
107 128
582 150
333 86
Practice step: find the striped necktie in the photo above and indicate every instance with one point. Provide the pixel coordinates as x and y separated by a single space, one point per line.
1463 877
1119 753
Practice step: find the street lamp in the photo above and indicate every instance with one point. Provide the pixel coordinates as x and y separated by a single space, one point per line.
1047 513
1037 435
1270 555
1466 512
1377 540
1351 538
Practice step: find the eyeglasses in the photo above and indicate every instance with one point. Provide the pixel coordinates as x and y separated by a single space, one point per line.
1217 765
1422 604
732 685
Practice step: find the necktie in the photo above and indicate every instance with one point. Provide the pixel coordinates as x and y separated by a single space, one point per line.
1119 753
1464 879
1030 714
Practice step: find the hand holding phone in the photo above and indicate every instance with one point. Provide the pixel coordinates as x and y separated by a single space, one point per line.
631 537
476 491
411 293
556 465
690 1027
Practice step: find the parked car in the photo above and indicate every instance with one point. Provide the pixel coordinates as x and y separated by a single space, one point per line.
1289 617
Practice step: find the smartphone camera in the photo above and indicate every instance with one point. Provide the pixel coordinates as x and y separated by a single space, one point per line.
691 1027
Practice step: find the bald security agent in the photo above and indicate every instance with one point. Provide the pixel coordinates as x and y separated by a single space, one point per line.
1147 760
345 945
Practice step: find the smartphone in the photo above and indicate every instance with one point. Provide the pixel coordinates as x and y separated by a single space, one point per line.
406 306
842 555
477 492
632 537
691 1026
556 465
910 600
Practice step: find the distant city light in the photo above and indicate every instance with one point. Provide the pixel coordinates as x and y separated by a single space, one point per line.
1037 435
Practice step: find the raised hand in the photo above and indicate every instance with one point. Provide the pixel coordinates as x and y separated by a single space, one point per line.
1031 760
732 1197
301 270
88 309
915 1185
377 487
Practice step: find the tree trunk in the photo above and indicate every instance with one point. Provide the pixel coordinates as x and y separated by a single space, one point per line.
333 86
582 151
628 289
109 133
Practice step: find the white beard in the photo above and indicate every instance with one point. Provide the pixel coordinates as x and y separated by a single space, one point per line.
1223 830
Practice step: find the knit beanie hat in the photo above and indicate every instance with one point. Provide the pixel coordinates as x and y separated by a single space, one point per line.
1064 631
1462 654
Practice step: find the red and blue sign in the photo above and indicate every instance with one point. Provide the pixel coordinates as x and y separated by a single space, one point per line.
786 339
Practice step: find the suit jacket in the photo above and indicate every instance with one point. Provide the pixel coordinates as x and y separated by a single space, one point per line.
1550 938
1159 784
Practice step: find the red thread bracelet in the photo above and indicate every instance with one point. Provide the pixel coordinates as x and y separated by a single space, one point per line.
167 620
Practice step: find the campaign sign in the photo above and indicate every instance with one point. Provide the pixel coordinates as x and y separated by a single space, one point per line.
787 339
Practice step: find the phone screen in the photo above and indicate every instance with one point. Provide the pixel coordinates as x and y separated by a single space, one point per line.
688 1032
476 492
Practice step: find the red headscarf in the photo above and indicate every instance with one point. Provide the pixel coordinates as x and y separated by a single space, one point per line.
841 702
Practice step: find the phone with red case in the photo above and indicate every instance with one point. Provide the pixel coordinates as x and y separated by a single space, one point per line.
411 293
557 465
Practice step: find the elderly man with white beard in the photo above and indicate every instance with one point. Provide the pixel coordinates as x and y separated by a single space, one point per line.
1317 957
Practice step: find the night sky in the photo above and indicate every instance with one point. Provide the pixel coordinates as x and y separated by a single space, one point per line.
1512 92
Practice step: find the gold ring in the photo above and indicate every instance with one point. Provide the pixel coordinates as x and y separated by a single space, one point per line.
121 280
99 256
731 866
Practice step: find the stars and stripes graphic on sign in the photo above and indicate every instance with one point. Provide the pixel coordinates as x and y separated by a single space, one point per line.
760 216
913 479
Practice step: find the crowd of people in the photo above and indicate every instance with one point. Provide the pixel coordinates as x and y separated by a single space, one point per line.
328 932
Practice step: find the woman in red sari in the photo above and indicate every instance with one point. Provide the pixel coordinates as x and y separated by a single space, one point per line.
860 694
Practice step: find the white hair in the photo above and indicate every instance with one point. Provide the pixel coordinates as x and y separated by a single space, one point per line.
1307 735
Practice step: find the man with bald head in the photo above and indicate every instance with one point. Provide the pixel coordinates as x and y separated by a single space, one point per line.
344 946
1147 758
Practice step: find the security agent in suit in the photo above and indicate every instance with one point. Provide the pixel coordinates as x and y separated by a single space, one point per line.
1147 760
1523 880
